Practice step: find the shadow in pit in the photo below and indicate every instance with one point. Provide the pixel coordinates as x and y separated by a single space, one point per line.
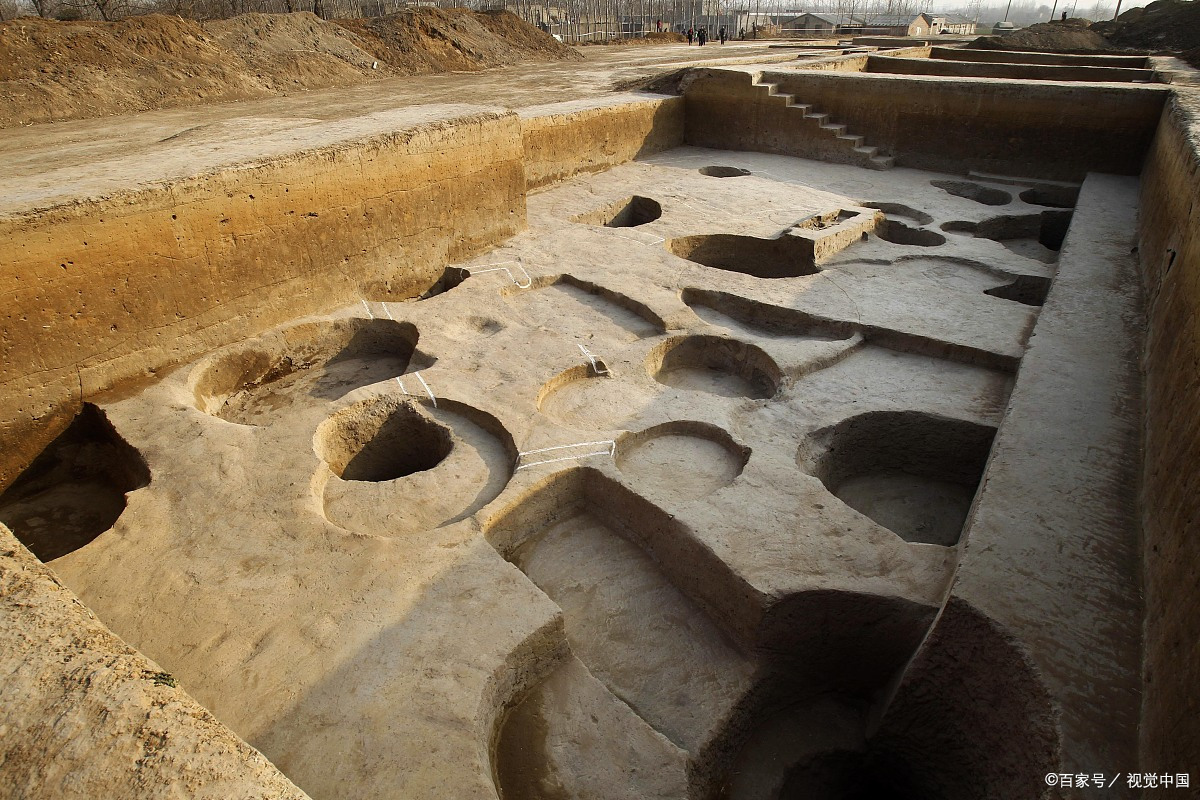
969 190
1038 236
252 382
782 257
403 289
716 365
772 320
75 489
967 718
687 683
1030 290
398 466
627 213
914 473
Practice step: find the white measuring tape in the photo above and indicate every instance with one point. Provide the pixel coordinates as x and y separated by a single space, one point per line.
498 267
610 450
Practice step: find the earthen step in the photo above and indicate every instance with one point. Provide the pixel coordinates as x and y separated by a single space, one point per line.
836 129
866 150
855 141
881 162
821 118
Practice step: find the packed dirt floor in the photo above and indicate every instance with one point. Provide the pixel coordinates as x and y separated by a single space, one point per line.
595 398
99 156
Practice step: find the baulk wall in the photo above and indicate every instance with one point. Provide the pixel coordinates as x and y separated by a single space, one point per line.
97 292
1169 247
1036 72
1041 130
565 139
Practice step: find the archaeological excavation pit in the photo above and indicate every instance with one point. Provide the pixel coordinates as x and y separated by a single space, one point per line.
628 213
897 232
587 309
720 308
1036 236
782 257
984 195
382 440
1030 290
715 365
900 210
401 467
681 460
255 382
724 172
76 489
789 491
913 473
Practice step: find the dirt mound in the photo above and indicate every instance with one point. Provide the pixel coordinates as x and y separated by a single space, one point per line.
1163 25
53 71
69 70
1072 35
290 51
417 41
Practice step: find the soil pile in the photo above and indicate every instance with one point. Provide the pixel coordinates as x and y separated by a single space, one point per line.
425 40
1070 35
1163 25
53 71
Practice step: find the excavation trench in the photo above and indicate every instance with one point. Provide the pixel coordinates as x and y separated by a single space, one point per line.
664 695
782 257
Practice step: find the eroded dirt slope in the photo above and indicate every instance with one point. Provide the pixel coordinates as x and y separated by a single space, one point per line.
1071 34
53 71
1162 26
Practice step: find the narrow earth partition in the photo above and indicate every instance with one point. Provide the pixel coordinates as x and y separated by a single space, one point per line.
1051 549
564 139
1169 251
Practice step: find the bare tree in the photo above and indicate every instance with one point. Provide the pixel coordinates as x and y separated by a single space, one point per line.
46 9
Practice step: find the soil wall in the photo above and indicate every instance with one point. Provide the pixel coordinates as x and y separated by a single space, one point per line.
98 292
565 139
1039 130
1170 257
1034 72
1018 57
75 671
